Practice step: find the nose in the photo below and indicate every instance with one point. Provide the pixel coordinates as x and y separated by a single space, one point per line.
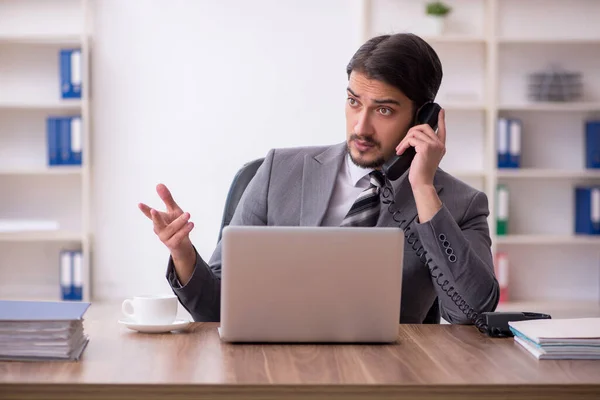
362 125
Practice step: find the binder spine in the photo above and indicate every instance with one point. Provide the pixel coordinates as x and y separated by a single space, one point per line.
66 275
592 144
502 136
595 210
75 127
502 210
77 286
52 141
70 73
515 144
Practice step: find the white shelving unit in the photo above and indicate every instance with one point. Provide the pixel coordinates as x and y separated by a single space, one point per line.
487 50
32 34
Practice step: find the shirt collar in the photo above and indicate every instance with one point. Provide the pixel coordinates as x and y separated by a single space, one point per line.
356 172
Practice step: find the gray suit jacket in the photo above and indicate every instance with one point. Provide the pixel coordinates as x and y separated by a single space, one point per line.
293 187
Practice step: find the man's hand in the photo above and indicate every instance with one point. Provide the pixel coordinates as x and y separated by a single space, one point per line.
173 228
430 149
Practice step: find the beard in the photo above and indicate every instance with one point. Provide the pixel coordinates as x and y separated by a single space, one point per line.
375 163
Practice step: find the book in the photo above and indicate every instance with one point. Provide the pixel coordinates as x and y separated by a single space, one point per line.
576 338
42 330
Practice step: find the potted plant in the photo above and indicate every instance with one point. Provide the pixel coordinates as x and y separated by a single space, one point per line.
436 12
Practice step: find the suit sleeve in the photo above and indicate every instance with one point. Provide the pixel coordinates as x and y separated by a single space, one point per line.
462 253
201 295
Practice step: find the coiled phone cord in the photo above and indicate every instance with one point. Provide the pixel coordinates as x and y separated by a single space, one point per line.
413 240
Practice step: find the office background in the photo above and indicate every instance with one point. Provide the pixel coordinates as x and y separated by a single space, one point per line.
184 92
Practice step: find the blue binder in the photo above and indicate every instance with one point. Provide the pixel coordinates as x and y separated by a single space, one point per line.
502 145
509 142
592 144
52 141
66 275
77 282
70 73
587 210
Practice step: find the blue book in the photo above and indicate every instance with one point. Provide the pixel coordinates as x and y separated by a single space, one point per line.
14 310
52 141
70 73
592 144
587 210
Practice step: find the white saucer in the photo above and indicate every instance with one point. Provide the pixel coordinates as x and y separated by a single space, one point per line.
178 324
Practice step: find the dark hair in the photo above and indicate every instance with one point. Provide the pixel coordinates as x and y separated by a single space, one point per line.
402 60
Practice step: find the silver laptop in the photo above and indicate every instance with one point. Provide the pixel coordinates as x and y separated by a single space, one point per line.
311 284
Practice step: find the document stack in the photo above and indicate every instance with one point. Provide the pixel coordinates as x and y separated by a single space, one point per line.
554 339
38 330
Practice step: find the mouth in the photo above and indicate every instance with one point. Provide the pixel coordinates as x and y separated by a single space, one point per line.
362 145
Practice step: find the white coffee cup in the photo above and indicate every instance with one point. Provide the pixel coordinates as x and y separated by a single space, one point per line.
151 310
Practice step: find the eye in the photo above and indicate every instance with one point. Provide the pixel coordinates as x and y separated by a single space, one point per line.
352 101
385 111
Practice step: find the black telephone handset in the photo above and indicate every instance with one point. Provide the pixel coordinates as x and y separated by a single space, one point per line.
397 165
491 323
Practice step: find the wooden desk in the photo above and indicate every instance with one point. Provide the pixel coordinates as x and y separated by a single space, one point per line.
428 362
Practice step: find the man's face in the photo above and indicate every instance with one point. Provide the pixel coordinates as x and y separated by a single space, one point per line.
377 118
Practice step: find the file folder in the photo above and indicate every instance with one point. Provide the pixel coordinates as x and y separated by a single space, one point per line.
502 210
70 73
587 210
592 144
65 140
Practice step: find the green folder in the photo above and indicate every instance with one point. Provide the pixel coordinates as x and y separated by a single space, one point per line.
501 210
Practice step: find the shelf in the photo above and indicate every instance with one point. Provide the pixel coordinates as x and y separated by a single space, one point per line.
533 173
59 170
41 236
67 105
55 40
542 40
546 106
455 39
464 106
466 174
556 308
548 239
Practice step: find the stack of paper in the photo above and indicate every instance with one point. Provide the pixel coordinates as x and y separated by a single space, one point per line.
577 338
31 330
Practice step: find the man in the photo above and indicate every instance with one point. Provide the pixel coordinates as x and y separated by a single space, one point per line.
389 78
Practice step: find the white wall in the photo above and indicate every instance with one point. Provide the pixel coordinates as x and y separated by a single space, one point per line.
185 92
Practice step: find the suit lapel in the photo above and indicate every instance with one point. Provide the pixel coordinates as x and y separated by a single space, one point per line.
404 202
318 180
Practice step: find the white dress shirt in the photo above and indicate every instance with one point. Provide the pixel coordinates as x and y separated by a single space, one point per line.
350 181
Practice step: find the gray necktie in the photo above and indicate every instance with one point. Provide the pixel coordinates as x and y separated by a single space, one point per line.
365 210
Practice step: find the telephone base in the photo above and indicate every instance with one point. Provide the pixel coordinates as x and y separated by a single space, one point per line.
497 322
